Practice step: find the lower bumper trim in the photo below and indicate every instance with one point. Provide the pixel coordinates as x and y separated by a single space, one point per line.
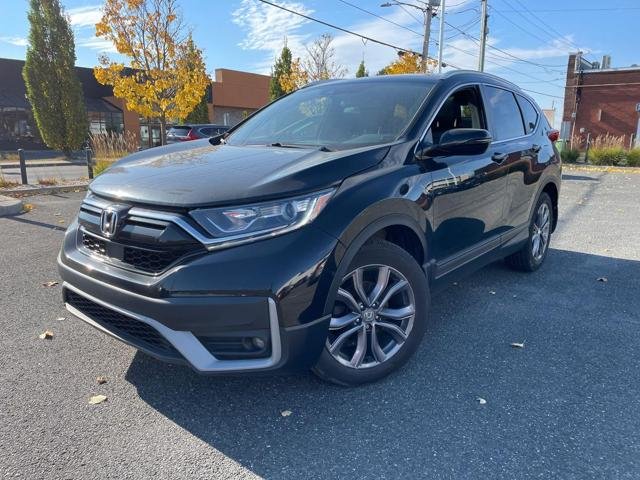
186 343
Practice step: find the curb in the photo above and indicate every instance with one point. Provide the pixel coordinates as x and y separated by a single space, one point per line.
35 164
43 190
599 168
10 206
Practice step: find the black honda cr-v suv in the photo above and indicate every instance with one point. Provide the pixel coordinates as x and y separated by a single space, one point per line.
311 234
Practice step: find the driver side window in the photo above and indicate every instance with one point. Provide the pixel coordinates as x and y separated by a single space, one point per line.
463 109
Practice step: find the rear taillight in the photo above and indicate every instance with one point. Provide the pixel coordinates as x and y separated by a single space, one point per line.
553 135
191 135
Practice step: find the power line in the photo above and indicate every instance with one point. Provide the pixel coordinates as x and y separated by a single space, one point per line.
544 25
350 32
576 10
330 25
380 17
540 93
515 57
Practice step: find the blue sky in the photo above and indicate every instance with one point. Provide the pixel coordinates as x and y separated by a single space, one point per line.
531 38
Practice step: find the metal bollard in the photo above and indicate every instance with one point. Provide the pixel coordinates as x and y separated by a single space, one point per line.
23 166
87 153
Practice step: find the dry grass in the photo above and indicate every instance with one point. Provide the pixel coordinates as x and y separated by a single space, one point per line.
112 146
4 183
9 157
47 181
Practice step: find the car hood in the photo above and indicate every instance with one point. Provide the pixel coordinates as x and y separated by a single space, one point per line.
197 173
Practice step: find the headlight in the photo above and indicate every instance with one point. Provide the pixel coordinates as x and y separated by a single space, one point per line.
262 219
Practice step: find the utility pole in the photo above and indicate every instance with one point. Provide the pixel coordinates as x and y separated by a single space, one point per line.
425 39
441 37
427 11
483 34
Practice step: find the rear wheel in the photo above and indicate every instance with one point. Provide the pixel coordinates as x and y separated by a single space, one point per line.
533 253
379 316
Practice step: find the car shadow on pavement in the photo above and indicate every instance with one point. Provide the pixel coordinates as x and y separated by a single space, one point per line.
564 405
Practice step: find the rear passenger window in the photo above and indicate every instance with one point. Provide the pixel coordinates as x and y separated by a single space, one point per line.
529 113
504 114
207 131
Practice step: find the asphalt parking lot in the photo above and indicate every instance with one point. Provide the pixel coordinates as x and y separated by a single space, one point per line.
566 406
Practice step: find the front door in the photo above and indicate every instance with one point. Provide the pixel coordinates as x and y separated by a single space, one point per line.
467 191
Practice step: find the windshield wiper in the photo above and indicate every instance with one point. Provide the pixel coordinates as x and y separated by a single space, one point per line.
322 148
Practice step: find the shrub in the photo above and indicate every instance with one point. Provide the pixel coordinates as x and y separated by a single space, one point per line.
569 155
606 155
633 157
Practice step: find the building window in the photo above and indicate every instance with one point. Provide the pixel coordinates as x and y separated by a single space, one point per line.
17 128
106 122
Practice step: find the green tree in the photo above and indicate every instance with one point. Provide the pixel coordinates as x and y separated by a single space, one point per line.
200 113
282 67
53 89
362 71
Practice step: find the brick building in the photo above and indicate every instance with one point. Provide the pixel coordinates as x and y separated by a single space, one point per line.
600 100
231 97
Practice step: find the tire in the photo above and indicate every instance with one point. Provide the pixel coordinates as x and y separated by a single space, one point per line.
369 313
529 258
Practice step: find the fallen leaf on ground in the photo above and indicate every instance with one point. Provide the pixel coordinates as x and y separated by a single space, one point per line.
27 207
517 345
101 380
61 221
57 214
602 279
481 401
286 413
97 399
52 283
59 319
46 335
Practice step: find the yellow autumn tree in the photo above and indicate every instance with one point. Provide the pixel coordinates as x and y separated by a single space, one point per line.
406 63
296 78
166 76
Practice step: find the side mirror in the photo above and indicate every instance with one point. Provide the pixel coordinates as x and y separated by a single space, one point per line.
458 141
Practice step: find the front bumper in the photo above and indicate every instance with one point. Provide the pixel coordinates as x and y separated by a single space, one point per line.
202 312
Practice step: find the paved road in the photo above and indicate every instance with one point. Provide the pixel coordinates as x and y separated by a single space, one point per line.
65 172
566 406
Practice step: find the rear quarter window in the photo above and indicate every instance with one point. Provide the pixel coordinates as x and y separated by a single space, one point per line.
529 114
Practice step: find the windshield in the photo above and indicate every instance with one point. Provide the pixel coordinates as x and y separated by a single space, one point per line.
337 115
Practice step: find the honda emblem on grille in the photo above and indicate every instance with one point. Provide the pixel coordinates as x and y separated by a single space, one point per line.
110 219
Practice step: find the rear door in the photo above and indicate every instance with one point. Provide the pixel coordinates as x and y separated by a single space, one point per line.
468 191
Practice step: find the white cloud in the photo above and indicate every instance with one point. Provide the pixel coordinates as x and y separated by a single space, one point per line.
98 44
85 16
17 41
267 27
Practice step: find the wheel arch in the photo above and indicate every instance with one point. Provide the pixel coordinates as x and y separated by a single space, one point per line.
551 189
406 228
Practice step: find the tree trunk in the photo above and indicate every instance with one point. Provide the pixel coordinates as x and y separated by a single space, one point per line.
163 130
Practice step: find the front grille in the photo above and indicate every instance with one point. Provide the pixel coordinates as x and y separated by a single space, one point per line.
151 261
134 331
94 244
146 260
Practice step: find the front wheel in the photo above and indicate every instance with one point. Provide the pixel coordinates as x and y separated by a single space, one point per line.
533 253
379 316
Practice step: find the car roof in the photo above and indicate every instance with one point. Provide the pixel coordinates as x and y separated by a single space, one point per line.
198 125
454 77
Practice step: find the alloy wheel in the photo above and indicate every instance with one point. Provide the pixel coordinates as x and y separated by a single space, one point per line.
372 317
541 230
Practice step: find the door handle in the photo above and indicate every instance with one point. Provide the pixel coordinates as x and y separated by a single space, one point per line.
499 157
536 148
